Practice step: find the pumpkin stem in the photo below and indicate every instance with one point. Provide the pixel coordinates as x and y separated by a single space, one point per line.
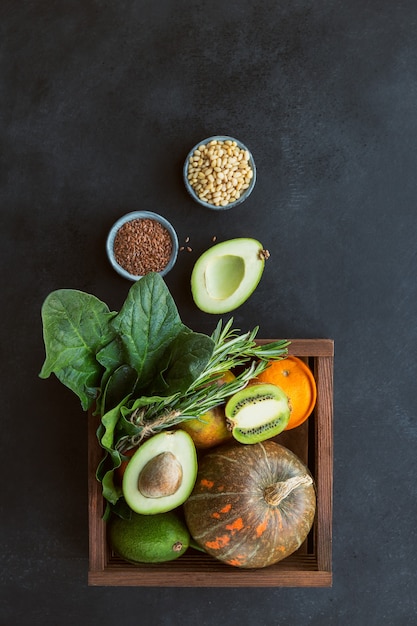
274 494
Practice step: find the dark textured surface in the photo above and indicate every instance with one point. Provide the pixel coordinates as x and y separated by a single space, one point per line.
100 102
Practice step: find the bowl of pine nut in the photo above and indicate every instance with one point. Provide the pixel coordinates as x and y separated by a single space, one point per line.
219 172
141 242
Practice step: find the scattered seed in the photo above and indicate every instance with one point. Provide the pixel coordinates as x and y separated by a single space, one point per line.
264 254
189 249
214 238
182 248
187 239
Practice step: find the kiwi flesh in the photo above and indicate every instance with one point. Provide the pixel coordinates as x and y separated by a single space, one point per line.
257 412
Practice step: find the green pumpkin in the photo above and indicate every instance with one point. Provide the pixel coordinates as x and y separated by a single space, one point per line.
252 505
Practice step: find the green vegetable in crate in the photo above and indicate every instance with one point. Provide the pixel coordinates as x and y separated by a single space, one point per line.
252 505
141 369
149 538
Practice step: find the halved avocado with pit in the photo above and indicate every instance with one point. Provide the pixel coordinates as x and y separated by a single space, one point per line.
226 274
161 474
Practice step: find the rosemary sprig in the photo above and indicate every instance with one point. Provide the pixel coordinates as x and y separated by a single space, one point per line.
232 351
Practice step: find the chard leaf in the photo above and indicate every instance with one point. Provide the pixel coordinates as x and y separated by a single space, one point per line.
120 508
76 326
146 324
109 422
187 356
112 458
111 491
125 428
159 403
105 474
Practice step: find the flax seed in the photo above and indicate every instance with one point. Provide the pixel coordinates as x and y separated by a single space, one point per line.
142 245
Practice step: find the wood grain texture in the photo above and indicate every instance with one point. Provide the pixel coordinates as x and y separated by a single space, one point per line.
310 566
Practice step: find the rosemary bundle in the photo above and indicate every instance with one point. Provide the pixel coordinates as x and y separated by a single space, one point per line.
232 351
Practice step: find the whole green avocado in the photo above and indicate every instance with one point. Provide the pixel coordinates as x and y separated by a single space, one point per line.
149 538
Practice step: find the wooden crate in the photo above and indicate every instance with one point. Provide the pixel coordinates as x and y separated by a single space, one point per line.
310 566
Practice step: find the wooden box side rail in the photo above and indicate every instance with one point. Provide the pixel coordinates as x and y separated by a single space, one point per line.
311 566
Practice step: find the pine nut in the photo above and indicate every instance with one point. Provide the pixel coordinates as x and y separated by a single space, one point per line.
219 172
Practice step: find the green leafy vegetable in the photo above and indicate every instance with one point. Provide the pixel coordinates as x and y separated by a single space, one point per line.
86 344
144 369
105 470
186 358
119 384
76 326
147 323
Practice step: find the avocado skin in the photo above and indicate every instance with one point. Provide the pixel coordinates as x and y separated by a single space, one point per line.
149 538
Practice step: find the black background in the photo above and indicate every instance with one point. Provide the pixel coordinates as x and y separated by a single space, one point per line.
100 103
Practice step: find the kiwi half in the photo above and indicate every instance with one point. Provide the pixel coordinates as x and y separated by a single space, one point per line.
257 412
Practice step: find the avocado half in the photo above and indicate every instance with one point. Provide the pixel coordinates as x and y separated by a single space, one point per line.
161 474
226 274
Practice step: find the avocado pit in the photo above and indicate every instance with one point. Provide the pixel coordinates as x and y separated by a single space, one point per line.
161 476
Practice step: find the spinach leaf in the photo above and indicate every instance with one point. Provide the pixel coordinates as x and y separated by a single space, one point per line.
111 356
76 325
186 358
120 384
146 324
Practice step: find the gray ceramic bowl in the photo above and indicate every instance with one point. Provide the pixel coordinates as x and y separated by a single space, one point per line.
209 205
128 218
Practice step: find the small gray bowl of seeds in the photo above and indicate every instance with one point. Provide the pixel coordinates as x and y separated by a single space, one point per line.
219 172
141 242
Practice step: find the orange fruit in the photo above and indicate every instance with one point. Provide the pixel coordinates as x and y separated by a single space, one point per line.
296 379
